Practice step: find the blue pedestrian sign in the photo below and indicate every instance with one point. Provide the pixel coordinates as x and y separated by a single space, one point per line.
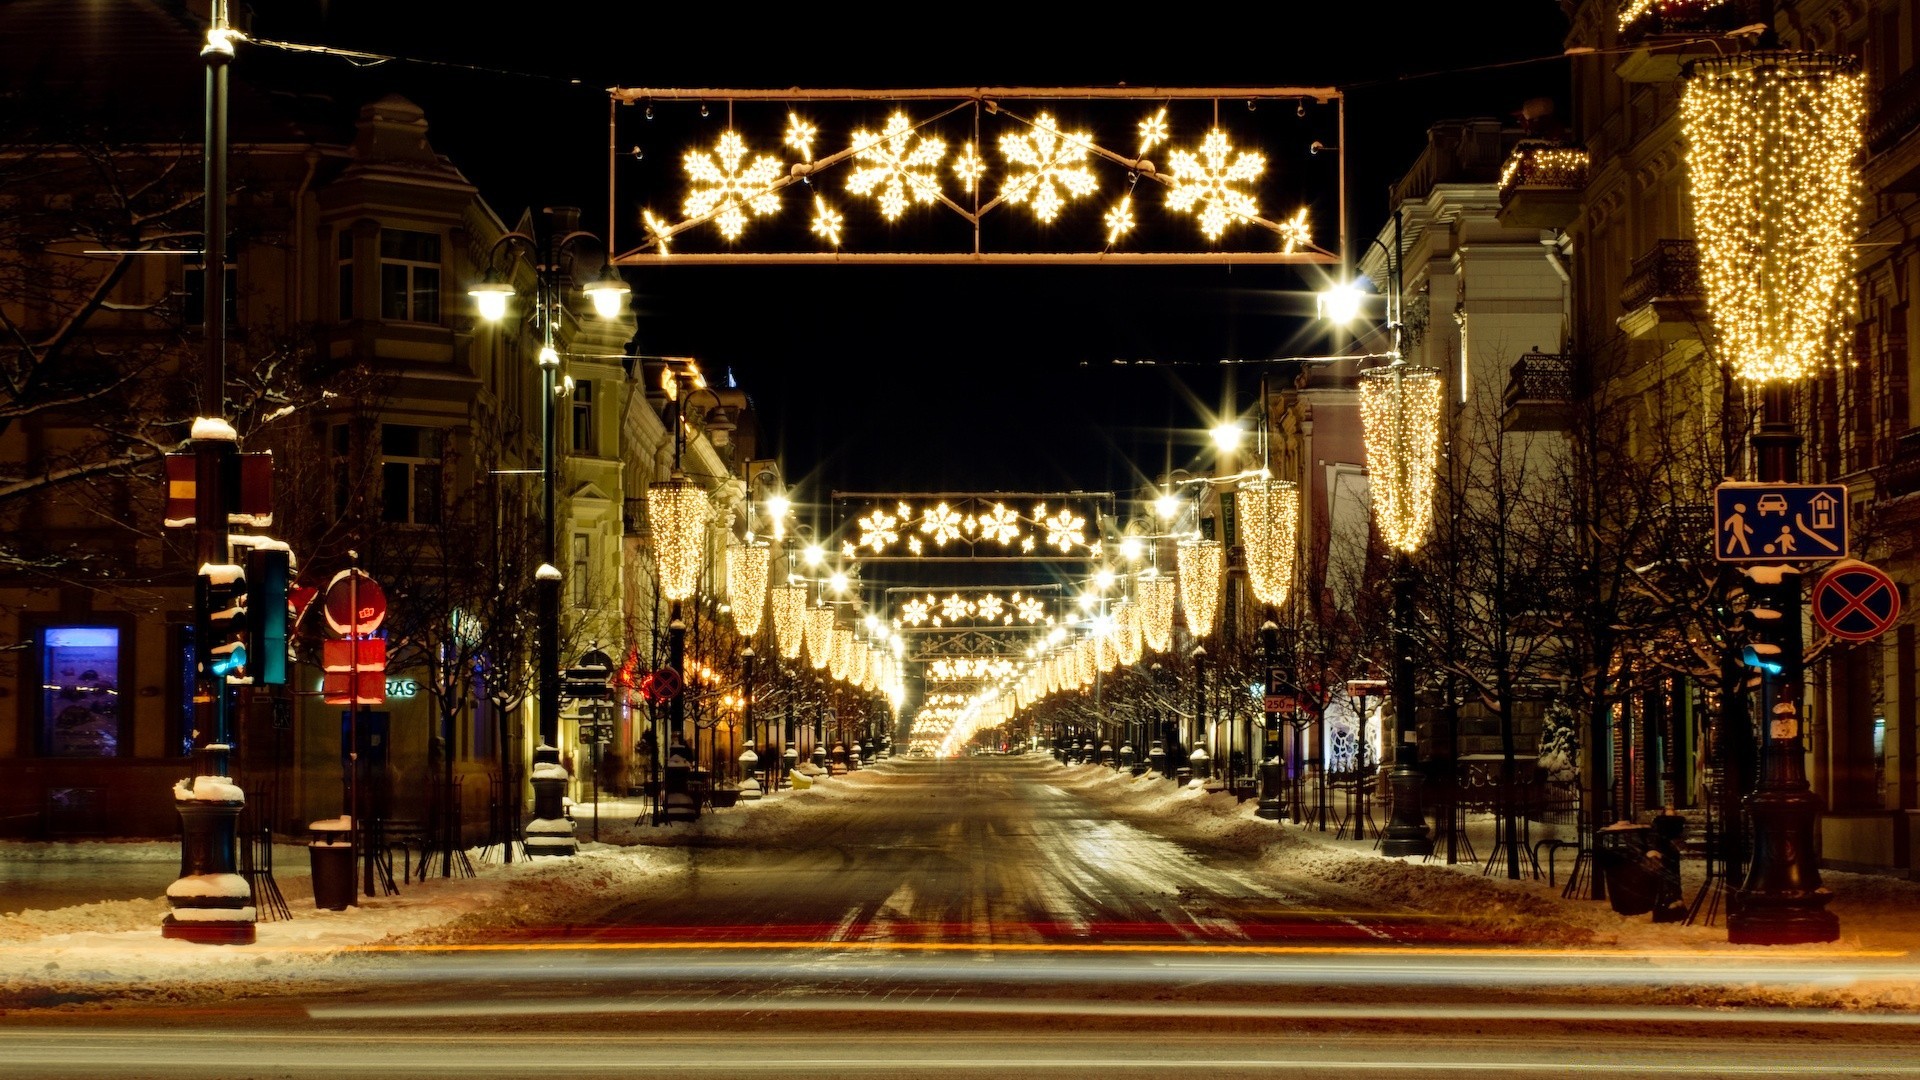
1779 522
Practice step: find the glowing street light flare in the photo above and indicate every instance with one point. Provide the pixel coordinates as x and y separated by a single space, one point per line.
1340 303
1168 506
1227 437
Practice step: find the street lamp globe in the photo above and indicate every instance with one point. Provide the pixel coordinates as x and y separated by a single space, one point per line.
608 292
1340 303
1167 506
1227 437
490 296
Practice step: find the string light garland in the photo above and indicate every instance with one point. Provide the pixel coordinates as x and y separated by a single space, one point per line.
827 221
1156 612
747 566
1773 147
1632 11
1269 528
1199 563
1400 414
819 637
941 526
1536 165
789 603
677 510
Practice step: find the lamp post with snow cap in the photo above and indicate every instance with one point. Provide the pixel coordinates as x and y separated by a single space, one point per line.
550 833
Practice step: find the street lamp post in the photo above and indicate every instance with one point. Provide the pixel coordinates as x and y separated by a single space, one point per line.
1400 409
550 832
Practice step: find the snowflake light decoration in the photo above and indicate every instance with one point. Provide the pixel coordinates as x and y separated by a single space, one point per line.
877 530
725 190
969 168
955 607
942 523
1056 169
800 136
1064 530
826 221
1153 131
658 230
1119 220
913 545
914 612
1294 232
896 166
1031 609
1208 182
1000 525
989 607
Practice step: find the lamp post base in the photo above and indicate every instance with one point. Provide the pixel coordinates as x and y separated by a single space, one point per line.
212 903
1407 830
1782 902
551 831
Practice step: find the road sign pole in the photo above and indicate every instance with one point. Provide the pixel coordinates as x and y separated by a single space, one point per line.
1781 901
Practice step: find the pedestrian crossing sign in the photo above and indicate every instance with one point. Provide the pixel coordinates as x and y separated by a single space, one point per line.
1779 522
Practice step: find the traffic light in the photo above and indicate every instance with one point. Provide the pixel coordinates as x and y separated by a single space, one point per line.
590 681
1772 621
220 609
267 572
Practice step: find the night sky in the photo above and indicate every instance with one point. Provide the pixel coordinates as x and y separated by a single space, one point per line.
957 378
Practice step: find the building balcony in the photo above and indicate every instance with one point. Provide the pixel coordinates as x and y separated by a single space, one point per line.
1893 135
1539 391
1541 185
633 515
1662 294
1902 475
1666 34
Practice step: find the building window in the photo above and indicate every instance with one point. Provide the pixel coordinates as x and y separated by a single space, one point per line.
193 307
582 560
80 707
583 434
340 469
409 474
345 283
409 276
483 738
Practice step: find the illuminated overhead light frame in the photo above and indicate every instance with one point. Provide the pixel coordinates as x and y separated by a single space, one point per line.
1774 142
1213 181
985 607
891 526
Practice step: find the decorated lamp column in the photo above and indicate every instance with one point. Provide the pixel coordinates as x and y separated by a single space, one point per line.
1199 562
747 566
677 507
789 604
1400 409
1774 142
1269 523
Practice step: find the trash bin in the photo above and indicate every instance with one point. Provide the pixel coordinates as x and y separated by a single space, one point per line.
331 851
1633 879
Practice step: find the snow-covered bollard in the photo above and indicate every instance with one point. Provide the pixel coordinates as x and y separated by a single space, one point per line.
1200 764
551 831
749 787
212 903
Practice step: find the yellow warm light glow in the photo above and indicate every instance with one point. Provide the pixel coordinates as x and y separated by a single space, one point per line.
747 566
1199 563
789 603
896 166
1631 11
1156 597
969 168
1056 170
819 636
1773 145
722 188
1295 232
1544 166
800 135
1400 414
677 509
840 654
659 231
1269 523
1153 130
827 221
1119 220
1208 183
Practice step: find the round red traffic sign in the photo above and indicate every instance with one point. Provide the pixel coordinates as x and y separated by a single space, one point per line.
1855 601
355 604
661 686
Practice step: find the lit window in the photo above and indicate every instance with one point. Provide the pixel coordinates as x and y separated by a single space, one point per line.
582 561
80 705
409 276
583 433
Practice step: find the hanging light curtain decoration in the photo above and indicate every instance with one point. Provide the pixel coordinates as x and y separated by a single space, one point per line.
677 510
1400 412
840 654
1269 524
1156 596
1773 151
747 586
1126 628
789 603
819 636
1199 562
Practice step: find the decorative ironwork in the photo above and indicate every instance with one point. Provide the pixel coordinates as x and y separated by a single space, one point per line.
1670 270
